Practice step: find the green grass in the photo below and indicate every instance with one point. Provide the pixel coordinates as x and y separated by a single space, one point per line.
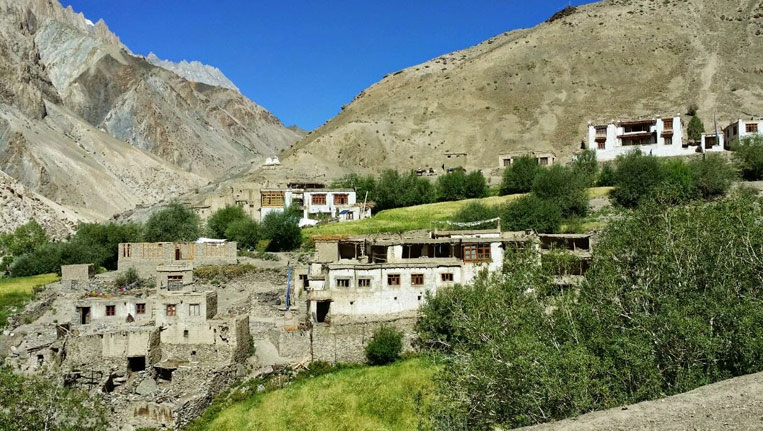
416 217
15 292
354 399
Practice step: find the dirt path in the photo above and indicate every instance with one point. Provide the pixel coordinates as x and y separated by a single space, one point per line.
735 404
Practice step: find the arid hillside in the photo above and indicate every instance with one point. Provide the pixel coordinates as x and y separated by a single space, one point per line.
98 130
537 89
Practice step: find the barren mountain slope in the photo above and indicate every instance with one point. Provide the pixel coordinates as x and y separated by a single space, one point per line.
537 89
99 130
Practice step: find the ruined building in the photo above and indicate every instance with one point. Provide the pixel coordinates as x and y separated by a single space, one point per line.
144 257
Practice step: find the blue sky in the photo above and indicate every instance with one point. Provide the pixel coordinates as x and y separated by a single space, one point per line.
303 60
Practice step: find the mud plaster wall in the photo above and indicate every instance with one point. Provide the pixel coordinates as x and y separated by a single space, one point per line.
345 342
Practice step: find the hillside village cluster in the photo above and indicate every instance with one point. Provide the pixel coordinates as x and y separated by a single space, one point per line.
159 352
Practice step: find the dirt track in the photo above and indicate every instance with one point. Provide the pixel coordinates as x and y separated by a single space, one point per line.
735 404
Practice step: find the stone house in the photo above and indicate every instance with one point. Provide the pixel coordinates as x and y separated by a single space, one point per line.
146 257
740 129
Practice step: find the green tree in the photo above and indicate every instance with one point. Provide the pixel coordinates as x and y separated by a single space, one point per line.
246 233
476 211
565 187
678 183
44 260
174 223
695 129
24 239
713 175
219 221
385 346
636 175
98 243
606 176
282 229
519 177
476 185
748 155
532 212
451 186
586 166
35 403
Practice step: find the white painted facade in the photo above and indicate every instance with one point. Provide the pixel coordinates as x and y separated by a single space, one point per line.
741 129
657 136
275 201
711 142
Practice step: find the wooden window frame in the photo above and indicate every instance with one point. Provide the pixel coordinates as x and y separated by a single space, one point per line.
341 199
446 277
194 310
342 282
393 280
272 199
417 279
111 310
477 252
140 308
364 282
170 310
318 199
751 128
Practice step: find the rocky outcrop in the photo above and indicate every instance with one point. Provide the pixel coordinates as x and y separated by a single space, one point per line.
194 71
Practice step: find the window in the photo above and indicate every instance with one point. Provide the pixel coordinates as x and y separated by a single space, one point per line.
194 309
127 250
446 277
318 199
476 252
111 310
667 125
364 282
543 161
341 199
174 282
751 127
272 199
342 282
169 310
393 280
140 308
506 162
601 131
417 279
602 145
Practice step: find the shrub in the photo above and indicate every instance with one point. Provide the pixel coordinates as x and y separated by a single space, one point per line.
586 166
44 260
565 187
519 177
606 176
476 211
451 186
246 233
26 238
282 229
219 221
713 175
126 279
677 185
531 212
385 346
636 175
174 223
394 190
748 155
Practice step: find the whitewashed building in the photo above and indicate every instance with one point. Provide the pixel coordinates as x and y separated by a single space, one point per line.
662 137
377 276
741 129
338 204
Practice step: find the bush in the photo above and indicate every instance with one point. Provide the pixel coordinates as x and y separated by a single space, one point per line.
476 211
451 186
748 155
26 238
174 223
519 177
246 233
44 260
565 187
606 176
282 229
219 221
636 175
713 175
531 212
127 278
677 185
394 190
476 185
385 346
98 243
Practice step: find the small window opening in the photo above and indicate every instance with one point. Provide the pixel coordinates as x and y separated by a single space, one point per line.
136 363
40 359
164 373
185 333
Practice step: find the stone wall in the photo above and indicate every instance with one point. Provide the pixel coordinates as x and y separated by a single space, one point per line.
345 342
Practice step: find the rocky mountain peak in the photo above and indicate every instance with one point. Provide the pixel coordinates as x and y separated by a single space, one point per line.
194 71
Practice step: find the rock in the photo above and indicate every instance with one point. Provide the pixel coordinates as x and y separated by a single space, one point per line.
147 387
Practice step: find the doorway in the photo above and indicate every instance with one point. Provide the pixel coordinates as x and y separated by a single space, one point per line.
322 310
84 315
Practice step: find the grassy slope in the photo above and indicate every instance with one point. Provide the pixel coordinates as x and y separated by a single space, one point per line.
357 399
14 292
415 217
